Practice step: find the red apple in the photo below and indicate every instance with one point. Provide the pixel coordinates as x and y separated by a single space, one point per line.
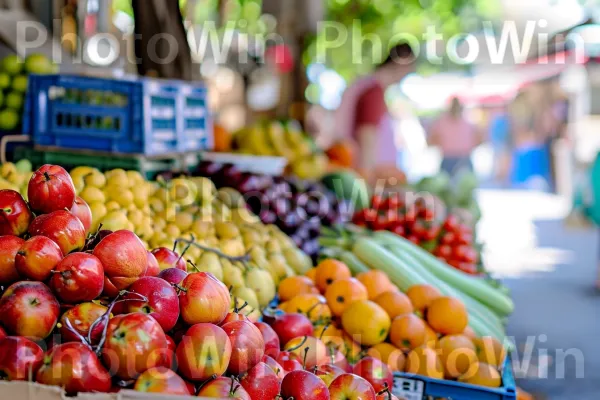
191 388
62 227
75 368
82 210
50 189
78 277
20 358
170 350
328 373
161 380
134 344
261 382
236 314
289 361
169 259
29 309
290 326
203 298
351 387
2 333
340 360
153 269
303 385
204 351
9 246
81 317
124 258
271 339
376 372
311 350
274 365
162 304
15 215
173 275
224 388
247 345
37 258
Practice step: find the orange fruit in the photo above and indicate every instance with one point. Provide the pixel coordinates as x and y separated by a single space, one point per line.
490 351
482 374
366 322
295 285
470 333
329 271
342 154
325 331
222 138
421 296
312 274
407 332
424 361
394 303
314 306
447 315
343 292
457 353
376 282
523 395
389 354
431 338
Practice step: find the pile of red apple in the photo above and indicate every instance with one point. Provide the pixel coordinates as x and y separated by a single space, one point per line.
99 313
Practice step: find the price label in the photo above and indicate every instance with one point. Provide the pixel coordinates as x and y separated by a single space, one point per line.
410 389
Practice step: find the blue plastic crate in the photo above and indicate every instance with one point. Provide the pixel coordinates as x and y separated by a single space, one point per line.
417 387
136 116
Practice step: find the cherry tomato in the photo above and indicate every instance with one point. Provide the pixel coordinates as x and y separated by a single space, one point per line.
392 202
448 238
459 252
464 238
445 251
451 223
468 268
399 230
432 232
376 202
414 239
419 229
471 255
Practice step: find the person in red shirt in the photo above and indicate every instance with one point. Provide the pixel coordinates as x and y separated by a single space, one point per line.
363 116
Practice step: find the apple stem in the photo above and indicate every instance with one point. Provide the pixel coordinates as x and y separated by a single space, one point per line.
93 236
385 390
193 265
324 330
311 309
78 335
179 288
304 339
243 259
46 176
106 316
235 308
305 355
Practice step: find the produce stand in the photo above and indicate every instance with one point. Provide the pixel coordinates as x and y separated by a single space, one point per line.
413 387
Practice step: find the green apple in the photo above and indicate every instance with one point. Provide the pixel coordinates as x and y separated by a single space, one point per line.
20 83
38 64
4 81
14 101
12 65
9 119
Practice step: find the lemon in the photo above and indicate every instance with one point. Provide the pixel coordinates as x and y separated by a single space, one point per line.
95 179
172 231
184 221
125 199
115 220
117 177
92 194
98 212
135 177
136 217
113 206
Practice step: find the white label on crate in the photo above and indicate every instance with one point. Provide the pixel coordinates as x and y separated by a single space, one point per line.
408 388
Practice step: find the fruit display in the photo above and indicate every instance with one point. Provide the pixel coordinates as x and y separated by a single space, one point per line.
13 86
298 207
449 236
284 139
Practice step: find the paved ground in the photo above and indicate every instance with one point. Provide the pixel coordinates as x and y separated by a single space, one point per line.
551 271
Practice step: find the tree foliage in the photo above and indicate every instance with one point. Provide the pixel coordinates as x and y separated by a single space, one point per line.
371 23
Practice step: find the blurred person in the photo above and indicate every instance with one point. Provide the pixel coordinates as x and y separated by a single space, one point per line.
456 138
363 116
500 141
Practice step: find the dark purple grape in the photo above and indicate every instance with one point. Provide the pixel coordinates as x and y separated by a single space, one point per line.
208 168
93 241
281 206
268 217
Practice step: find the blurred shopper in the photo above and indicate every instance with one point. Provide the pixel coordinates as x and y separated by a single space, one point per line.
456 138
363 116
499 136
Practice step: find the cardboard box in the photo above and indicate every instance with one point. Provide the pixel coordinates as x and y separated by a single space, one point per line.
35 391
